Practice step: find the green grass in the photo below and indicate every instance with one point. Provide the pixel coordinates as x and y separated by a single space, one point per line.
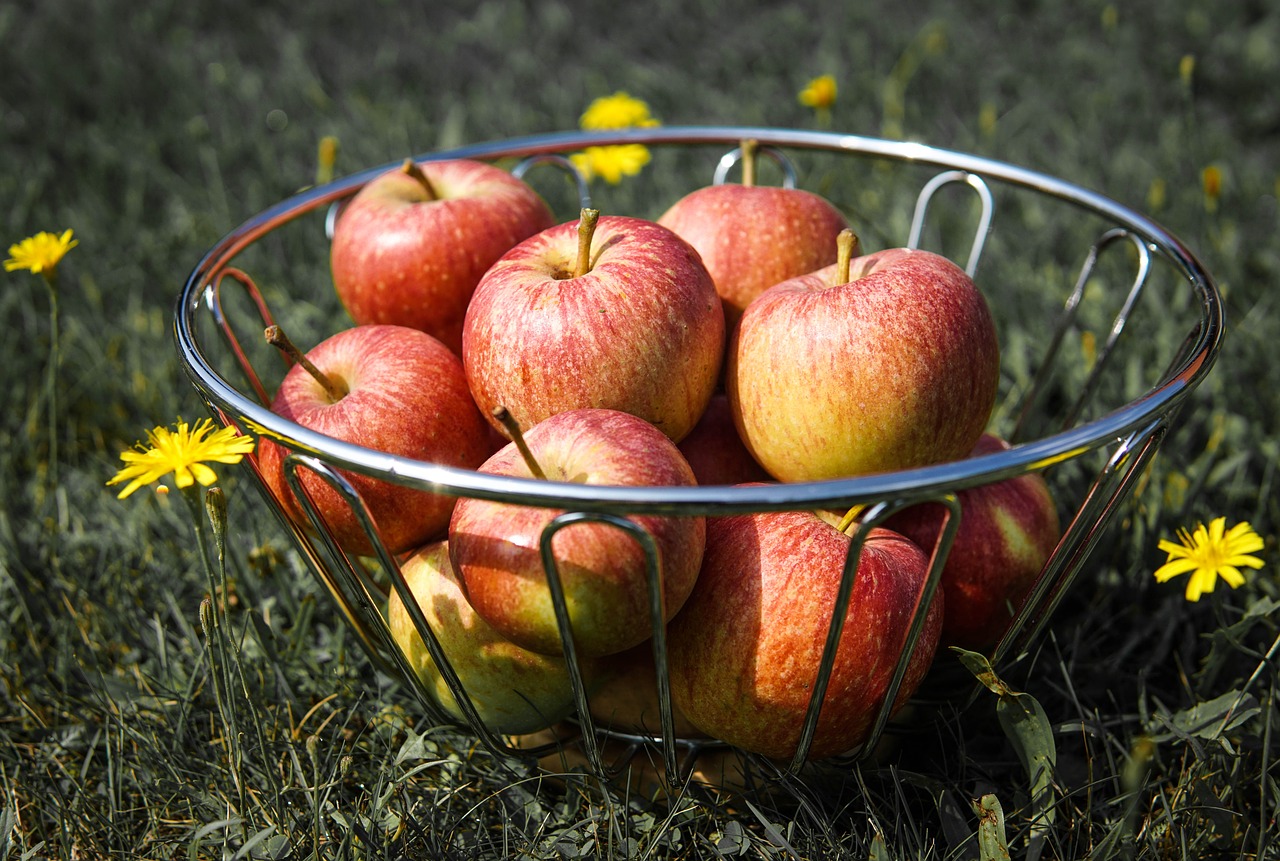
130 728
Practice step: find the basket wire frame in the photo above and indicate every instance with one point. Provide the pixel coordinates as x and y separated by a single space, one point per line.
1131 435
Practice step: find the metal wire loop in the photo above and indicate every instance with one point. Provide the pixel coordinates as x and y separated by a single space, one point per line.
657 618
228 333
731 158
331 217
979 185
1066 320
868 520
580 182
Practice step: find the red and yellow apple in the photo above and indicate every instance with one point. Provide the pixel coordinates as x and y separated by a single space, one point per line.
715 451
626 698
744 650
1007 531
393 389
616 313
753 236
411 245
495 546
891 367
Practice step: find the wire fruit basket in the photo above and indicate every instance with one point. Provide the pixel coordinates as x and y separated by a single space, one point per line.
1063 408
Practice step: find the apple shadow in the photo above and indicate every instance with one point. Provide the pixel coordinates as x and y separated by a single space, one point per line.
719 585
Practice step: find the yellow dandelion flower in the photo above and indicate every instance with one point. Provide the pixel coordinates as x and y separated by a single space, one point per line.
1211 181
819 93
1187 69
611 163
619 111
185 452
1110 17
326 157
1210 553
40 253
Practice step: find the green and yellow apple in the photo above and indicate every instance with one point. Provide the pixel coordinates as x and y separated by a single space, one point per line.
513 690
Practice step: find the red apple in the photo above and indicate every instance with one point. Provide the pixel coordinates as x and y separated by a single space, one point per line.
1006 534
751 237
616 314
513 690
744 650
411 245
495 545
399 391
715 451
892 367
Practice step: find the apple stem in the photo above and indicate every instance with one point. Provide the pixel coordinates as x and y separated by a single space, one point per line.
335 389
413 169
512 427
749 148
587 220
846 248
850 517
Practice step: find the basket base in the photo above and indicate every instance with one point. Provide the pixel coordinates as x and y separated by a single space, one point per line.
711 769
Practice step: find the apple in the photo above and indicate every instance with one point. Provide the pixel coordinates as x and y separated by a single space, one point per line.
1007 531
626 698
513 690
609 312
495 545
715 451
411 245
389 388
744 650
886 362
753 236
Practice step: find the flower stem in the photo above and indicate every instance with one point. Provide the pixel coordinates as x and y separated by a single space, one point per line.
210 507
51 393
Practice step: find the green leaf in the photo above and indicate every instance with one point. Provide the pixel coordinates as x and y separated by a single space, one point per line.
733 839
878 851
193 850
992 843
1211 719
1226 642
416 746
1027 727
